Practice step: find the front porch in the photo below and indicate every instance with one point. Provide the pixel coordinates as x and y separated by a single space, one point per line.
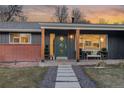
72 44
84 40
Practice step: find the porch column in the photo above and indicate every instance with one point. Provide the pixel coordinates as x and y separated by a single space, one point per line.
42 44
77 45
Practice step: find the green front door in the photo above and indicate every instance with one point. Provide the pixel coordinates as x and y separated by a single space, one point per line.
61 46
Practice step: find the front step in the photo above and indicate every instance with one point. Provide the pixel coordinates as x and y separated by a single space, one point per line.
62 58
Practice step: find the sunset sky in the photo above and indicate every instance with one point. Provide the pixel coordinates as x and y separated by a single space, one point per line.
45 13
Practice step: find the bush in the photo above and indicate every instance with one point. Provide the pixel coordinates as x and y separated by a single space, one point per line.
101 64
104 53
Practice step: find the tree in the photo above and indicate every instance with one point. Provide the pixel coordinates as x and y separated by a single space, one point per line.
102 21
22 18
85 21
61 13
10 12
76 15
122 22
116 23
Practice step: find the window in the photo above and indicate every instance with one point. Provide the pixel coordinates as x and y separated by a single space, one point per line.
20 38
92 41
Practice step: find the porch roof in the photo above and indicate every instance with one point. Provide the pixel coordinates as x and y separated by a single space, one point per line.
73 26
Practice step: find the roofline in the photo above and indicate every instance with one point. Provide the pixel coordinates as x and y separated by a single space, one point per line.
20 30
73 28
78 24
68 26
81 26
74 24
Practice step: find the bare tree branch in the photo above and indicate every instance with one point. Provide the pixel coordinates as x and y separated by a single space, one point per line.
61 13
22 18
10 12
79 17
76 14
102 21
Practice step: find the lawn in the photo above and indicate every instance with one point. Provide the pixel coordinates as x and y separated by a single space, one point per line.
107 77
21 77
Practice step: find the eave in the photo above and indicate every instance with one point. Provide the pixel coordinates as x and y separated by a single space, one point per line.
20 30
81 26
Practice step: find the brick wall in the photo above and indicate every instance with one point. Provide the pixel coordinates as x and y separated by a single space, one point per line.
20 52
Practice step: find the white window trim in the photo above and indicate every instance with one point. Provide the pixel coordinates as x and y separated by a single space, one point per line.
20 38
16 37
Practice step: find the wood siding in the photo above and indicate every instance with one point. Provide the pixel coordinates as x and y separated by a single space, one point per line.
116 46
4 38
36 38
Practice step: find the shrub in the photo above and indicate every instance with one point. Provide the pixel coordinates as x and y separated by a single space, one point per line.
104 53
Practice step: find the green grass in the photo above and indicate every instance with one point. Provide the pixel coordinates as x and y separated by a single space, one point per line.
107 77
21 77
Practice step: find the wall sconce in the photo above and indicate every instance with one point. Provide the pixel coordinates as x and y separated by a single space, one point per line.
71 36
101 39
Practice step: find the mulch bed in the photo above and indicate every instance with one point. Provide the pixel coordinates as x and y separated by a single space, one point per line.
50 78
84 80
13 64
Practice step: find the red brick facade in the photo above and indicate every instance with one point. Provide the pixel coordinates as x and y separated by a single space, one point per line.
20 52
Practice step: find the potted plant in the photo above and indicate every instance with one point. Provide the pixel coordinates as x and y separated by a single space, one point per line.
104 53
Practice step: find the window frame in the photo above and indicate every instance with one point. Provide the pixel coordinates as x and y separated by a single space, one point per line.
100 35
20 34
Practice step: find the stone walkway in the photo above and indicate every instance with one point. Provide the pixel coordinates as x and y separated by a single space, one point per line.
66 77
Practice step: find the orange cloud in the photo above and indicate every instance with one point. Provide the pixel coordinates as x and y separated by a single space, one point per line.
111 14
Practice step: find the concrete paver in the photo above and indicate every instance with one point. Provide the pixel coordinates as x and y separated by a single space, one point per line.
66 77
67 85
65 74
65 71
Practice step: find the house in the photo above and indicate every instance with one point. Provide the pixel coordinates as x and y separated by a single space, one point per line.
42 41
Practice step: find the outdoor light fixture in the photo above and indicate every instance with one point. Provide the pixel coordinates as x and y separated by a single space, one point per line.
101 39
71 36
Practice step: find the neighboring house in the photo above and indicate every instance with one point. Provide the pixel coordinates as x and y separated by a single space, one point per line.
42 41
